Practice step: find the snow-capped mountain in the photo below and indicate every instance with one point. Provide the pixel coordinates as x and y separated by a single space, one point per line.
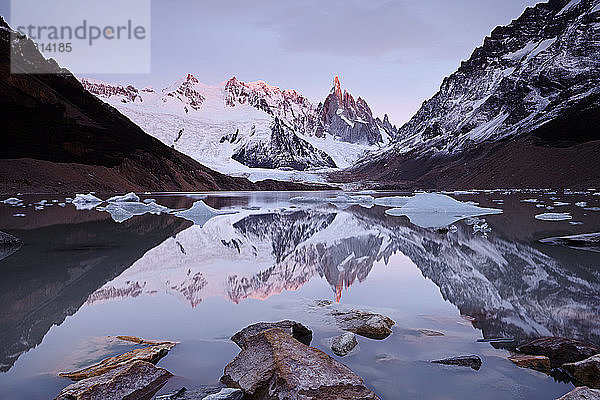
351 120
538 76
244 128
527 73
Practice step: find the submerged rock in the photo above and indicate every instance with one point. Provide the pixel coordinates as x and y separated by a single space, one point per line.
343 344
149 354
8 245
429 332
471 361
292 328
274 365
135 339
538 363
204 393
134 380
586 371
560 350
588 241
582 393
367 324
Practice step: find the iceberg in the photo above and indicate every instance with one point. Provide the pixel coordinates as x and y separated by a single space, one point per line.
129 197
86 201
432 210
122 211
200 213
13 201
554 217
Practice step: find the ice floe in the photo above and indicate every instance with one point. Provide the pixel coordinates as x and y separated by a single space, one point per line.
200 213
431 210
554 217
86 201
129 197
13 201
122 211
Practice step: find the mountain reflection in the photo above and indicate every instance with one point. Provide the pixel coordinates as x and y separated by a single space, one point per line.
509 285
513 289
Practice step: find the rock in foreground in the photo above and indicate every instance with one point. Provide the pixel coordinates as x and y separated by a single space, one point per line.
292 328
149 354
582 393
367 324
343 344
472 361
560 350
276 366
136 380
586 371
538 363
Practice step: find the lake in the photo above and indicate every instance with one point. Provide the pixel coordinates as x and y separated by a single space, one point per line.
85 275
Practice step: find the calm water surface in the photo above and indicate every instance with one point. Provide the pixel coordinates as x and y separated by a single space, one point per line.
80 277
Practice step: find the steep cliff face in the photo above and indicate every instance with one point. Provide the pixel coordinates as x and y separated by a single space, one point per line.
530 95
56 136
285 149
351 120
530 72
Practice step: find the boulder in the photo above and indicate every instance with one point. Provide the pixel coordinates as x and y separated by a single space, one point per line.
471 361
135 380
586 371
292 328
276 366
538 363
343 344
149 354
582 393
363 323
560 350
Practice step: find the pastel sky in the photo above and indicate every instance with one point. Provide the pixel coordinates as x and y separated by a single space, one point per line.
393 53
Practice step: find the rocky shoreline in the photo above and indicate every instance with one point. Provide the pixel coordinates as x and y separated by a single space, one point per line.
276 361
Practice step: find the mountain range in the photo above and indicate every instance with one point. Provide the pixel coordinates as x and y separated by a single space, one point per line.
57 137
241 128
522 111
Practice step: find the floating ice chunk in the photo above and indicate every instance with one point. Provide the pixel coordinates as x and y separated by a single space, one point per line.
200 213
560 204
592 208
345 201
18 215
309 199
554 217
149 201
129 197
122 211
549 208
13 201
86 198
394 201
117 213
432 210
39 207
86 201
540 205
68 200
576 223
530 201
581 204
